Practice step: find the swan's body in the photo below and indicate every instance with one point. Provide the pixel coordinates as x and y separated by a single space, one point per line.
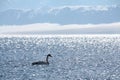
42 62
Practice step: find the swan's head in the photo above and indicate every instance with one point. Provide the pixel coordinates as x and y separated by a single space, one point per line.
49 55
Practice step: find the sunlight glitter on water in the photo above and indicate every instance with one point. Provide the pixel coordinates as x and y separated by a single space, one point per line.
75 57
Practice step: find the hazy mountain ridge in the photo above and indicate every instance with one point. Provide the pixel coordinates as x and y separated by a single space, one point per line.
62 15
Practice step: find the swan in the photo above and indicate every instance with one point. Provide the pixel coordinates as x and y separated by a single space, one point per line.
42 62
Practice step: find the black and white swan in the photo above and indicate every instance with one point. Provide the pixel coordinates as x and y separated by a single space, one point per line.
42 62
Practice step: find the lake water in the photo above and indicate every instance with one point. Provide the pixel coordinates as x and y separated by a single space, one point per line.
75 57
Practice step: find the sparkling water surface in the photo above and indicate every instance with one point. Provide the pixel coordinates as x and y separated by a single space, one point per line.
75 57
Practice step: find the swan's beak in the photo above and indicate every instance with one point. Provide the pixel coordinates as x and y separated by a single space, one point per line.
50 56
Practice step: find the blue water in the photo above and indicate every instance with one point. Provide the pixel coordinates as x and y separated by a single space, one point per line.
81 57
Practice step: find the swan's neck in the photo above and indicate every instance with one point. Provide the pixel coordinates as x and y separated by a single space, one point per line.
47 59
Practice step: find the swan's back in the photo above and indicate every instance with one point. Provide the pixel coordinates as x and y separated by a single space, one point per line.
40 63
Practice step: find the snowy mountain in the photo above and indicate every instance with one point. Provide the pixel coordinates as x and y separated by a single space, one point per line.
62 15
47 28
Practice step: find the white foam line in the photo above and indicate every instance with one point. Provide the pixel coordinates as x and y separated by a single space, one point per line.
65 35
